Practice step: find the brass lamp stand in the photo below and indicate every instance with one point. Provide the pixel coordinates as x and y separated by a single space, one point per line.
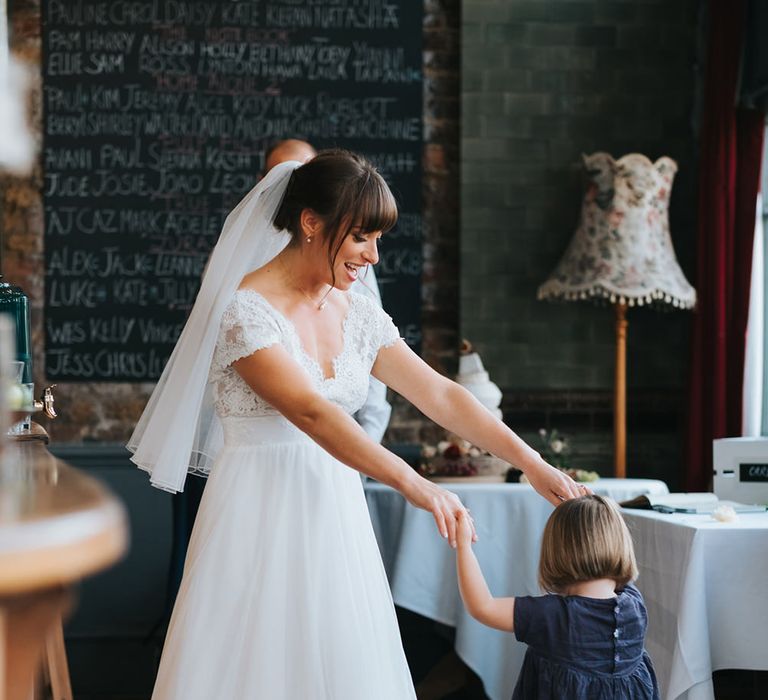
620 395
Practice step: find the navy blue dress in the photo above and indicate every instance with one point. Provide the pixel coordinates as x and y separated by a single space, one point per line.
584 648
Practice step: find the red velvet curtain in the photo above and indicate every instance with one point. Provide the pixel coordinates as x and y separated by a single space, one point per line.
729 180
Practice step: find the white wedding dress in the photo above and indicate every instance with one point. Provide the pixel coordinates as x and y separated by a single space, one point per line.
284 596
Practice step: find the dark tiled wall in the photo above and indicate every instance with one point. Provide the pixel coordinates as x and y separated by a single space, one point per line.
542 83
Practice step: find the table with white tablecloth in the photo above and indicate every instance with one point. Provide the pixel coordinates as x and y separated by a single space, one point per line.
509 519
704 584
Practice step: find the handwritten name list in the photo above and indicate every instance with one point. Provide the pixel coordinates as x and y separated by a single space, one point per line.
156 118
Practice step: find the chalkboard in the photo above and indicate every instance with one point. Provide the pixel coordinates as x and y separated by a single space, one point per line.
156 118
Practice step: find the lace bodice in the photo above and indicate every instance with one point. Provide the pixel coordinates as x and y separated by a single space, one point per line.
251 323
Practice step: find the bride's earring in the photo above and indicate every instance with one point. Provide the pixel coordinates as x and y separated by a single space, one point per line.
309 239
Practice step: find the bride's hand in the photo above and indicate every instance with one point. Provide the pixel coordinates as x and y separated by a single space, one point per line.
553 484
444 506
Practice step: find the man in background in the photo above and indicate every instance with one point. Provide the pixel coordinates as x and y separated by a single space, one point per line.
373 417
288 149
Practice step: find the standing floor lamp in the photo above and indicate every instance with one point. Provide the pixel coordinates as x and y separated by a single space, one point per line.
622 253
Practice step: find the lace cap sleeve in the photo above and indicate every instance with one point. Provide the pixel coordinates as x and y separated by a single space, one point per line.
383 332
247 325
389 332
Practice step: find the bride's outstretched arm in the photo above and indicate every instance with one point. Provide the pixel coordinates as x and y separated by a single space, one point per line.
275 376
453 407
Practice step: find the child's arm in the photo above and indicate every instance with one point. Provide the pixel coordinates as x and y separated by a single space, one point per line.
494 612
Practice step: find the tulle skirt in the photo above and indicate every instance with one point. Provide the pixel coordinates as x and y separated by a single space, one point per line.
284 595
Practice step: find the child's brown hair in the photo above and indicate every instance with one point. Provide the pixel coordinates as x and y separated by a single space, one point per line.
586 539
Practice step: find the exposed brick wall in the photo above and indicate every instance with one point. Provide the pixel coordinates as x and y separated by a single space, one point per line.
108 412
440 290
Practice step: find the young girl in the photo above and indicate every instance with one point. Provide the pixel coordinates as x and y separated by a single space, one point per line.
585 638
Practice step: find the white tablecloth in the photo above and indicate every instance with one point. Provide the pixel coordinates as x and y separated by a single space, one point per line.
705 584
421 567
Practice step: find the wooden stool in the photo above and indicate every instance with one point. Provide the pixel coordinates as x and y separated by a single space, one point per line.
55 670
44 553
31 636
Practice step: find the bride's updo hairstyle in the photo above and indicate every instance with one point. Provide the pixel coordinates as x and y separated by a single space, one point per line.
345 191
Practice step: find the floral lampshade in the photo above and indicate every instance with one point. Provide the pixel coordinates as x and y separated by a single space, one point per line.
622 250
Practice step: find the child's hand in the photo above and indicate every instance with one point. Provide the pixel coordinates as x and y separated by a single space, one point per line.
464 531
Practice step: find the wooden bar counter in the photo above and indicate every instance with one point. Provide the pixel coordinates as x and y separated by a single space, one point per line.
57 526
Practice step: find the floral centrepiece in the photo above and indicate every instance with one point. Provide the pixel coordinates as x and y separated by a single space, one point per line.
458 457
556 450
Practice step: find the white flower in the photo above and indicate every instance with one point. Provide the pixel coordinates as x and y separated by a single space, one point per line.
542 432
474 452
725 514
557 446
428 451
442 446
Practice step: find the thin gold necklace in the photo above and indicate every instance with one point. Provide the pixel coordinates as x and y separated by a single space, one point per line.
319 305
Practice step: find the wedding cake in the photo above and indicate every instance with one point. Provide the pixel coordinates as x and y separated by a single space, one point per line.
473 377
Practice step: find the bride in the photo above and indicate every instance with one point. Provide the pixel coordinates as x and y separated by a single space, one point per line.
284 596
